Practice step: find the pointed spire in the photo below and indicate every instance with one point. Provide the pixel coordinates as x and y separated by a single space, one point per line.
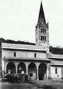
41 13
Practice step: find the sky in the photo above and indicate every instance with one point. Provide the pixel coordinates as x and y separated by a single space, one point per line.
18 19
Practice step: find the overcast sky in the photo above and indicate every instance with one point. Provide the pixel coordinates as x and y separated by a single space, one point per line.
18 19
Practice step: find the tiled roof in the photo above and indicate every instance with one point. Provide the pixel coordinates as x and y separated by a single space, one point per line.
15 42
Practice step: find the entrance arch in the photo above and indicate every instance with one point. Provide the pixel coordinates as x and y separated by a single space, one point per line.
11 68
42 70
32 71
21 68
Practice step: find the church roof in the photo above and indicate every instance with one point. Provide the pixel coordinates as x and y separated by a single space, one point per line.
15 42
41 13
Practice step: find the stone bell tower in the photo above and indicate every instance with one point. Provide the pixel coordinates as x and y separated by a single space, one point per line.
42 32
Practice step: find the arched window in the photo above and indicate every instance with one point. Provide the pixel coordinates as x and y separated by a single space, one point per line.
11 68
32 70
21 67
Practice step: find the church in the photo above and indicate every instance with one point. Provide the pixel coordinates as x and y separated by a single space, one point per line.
38 60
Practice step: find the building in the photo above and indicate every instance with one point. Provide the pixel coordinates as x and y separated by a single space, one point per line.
56 64
34 59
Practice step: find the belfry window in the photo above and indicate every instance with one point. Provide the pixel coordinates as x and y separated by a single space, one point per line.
43 31
43 38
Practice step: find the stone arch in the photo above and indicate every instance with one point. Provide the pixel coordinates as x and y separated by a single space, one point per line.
42 70
32 71
11 68
21 68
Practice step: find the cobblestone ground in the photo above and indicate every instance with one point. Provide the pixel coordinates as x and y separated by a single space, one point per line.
7 85
32 85
49 84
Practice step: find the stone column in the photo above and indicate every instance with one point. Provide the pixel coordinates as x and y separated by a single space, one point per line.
16 65
48 71
37 66
27 64
5 66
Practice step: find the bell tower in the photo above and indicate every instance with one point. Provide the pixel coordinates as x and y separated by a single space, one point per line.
42 32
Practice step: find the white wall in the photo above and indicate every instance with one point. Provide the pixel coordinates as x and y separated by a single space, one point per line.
54 75
23 55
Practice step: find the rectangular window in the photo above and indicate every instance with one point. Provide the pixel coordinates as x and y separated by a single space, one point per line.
35 55
56 70
14 54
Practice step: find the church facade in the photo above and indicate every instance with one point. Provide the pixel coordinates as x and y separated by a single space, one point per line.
34 59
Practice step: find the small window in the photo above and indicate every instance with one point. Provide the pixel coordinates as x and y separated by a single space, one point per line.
14 54
35 55
56 70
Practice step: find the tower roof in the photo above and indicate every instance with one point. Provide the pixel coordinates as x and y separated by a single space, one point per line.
41 13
